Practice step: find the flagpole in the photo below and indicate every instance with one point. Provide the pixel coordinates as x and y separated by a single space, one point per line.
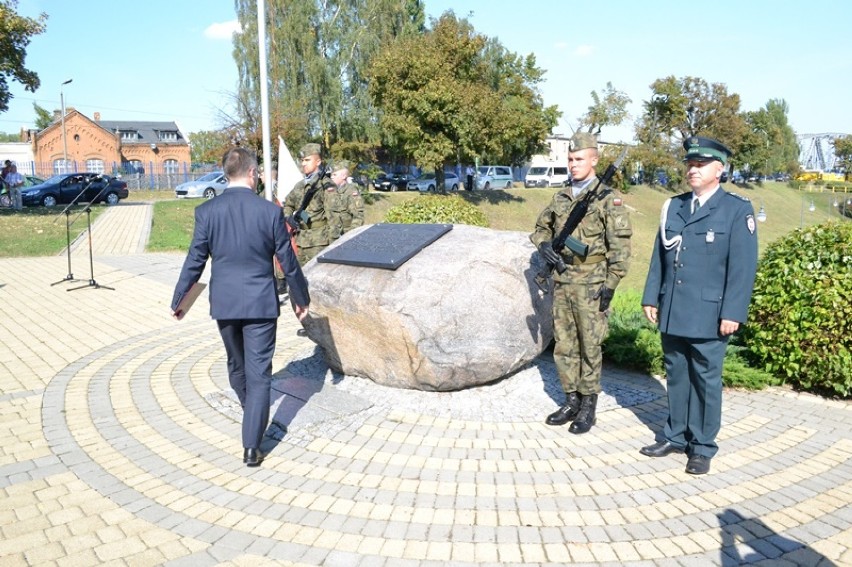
264 99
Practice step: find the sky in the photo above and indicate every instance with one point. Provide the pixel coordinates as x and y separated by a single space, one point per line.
172 60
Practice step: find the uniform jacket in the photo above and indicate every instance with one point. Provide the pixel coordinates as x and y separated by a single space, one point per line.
347 209
317 232
241 232
715 270
605 228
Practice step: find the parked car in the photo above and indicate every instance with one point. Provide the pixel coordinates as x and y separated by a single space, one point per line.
208 186
547 176
63 188
491 176
428 182
392 182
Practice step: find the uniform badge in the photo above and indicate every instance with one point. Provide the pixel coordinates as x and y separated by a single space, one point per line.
617 202
750 224
711 236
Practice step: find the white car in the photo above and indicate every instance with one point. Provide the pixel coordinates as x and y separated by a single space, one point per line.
207 186
427 182
494 177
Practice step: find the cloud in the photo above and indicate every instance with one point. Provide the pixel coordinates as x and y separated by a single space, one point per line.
584 50
222 30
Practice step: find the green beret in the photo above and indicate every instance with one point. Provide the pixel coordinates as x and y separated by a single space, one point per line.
340 164
705 149
582 141
309 150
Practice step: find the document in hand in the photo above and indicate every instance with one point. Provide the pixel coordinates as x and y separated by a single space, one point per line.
188 299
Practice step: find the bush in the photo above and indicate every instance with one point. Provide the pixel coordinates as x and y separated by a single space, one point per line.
801 311
633 342
437 209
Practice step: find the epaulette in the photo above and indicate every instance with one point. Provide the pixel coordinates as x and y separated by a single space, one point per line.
740 197
604 194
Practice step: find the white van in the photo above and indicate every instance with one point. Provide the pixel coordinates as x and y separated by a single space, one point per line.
547 176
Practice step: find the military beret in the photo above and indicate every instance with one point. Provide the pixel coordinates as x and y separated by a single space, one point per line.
309 150
705 149
340 164
582 141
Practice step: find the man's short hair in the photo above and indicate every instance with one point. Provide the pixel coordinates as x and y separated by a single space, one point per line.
238 161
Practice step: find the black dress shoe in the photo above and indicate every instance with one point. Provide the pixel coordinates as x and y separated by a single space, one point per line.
660 449
252 457
698 464
567 412
301 333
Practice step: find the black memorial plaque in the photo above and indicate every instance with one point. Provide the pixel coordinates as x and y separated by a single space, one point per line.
386 246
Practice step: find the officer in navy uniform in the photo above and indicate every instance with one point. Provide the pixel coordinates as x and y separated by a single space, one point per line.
698 290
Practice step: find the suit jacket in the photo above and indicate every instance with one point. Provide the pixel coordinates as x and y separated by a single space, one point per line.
715 270
241 232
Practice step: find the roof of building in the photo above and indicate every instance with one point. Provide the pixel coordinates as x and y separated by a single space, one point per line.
148 132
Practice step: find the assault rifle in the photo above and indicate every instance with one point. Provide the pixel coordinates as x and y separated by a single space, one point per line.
564 238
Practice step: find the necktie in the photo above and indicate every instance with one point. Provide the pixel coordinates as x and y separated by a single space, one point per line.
696 204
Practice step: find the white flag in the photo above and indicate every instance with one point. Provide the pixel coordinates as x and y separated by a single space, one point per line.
288 172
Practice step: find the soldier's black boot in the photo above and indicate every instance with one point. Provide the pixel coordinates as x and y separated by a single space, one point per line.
567 412
586 417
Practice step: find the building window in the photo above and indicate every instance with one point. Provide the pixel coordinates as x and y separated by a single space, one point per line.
129 136
61 166
95 165
134 166
170 167
168 136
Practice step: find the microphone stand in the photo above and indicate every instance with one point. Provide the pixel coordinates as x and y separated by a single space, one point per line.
67 212
92 282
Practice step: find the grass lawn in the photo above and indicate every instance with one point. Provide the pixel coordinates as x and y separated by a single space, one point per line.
40 231
32 232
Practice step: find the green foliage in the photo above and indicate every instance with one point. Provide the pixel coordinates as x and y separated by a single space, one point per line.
43 117
632 342
801 311
208 146
5 137
611 108
15 34
437 209
454 95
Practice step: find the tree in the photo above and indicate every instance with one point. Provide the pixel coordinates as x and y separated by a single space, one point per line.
318 56
208 146
843 151
769 144
611 108
453 95
43 117
6 137
15 34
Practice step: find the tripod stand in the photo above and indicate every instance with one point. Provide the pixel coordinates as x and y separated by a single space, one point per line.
67 212
92 282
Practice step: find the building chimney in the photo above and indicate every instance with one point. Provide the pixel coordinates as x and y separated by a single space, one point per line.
97 116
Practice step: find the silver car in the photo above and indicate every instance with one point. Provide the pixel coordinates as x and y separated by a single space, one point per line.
207 186
427 182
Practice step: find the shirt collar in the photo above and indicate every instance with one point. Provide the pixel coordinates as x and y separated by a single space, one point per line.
706 196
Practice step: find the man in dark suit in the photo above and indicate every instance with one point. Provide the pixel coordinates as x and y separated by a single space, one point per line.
698 290
242 232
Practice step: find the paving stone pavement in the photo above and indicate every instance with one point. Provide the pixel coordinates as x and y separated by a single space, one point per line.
122 446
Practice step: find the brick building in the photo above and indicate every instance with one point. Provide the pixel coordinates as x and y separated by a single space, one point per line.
110 146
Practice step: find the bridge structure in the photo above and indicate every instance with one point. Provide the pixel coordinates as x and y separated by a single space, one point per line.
816 151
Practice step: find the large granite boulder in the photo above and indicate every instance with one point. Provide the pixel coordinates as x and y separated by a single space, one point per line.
463 311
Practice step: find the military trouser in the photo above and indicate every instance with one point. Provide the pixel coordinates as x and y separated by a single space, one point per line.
579 329
306 253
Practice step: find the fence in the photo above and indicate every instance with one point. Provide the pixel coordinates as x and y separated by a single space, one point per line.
138 175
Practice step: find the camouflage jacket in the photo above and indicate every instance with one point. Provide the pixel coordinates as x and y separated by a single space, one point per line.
605 228
317 231
347 209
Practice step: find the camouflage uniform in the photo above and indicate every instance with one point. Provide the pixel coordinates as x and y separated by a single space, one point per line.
579 326
317 233
347 209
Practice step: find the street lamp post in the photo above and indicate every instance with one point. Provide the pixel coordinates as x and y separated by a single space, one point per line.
64 139
811 208
761 214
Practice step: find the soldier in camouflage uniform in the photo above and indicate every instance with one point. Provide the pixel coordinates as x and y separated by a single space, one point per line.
312 227
347 205
582 294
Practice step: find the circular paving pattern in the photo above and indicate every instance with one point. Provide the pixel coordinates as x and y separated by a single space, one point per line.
360 474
